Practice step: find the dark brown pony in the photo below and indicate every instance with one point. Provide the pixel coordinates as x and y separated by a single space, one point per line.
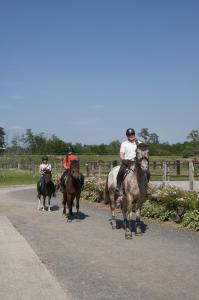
134 189
71 190
46 190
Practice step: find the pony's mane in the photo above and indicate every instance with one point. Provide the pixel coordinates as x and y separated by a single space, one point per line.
143 146
74 164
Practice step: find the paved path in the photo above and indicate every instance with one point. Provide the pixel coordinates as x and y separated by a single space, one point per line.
22 274
91 261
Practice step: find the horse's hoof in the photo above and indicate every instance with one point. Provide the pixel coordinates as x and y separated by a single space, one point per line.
113 224
138 233
128 237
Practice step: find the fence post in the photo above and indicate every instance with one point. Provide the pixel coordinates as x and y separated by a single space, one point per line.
33 169
164 175
99 170
178 167
87 169
191 175
168 172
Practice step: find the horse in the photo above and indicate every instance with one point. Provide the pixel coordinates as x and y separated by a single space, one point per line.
71 190
134 189
45 190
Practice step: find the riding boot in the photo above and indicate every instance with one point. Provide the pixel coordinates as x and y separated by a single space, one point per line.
120 176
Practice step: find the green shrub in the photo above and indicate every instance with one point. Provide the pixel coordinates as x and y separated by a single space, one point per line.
94 190
156 211
191 220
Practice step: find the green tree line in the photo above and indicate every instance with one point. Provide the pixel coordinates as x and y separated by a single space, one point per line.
30 143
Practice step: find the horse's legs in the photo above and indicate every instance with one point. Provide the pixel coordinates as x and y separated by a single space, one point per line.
64 203
138 230
67 202
49 197
77 204
112 206
44 203
127 214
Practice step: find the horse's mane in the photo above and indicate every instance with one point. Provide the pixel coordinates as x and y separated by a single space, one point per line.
74 164
143 146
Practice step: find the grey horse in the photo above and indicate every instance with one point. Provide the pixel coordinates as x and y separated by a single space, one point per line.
134 189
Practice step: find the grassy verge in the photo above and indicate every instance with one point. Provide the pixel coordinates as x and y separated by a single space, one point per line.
13 176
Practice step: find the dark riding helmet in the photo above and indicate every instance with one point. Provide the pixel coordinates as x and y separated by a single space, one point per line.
45 157
130 131
69 149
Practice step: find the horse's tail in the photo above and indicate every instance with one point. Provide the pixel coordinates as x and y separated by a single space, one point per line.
106 194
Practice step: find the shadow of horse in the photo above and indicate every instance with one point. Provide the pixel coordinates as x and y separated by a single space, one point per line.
45 190
120 225
55 207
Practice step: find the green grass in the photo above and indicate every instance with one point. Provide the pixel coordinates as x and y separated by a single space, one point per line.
13 176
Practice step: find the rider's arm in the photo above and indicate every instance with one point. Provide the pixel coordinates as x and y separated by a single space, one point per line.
41 170
122 155
122 151
66 163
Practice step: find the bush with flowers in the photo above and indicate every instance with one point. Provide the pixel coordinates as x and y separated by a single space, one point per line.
94 188
167 202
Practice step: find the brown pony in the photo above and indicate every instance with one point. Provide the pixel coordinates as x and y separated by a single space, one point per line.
71 190
134 189
46 190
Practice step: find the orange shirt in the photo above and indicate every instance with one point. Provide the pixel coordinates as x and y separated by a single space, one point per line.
68 159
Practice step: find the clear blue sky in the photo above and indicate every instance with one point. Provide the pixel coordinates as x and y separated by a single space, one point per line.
87 70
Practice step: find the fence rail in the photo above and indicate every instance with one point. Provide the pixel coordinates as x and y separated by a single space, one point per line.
167 170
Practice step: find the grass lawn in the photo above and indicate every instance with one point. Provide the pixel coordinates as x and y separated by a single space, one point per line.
13 176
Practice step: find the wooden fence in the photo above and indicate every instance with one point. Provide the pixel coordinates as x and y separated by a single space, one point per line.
165 171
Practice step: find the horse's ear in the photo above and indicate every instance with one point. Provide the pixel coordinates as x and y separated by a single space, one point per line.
143 146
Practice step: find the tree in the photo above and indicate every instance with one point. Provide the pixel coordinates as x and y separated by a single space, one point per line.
29 140
144 134
193 136
2 137
153 138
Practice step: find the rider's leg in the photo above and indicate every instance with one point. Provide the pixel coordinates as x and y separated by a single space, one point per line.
62 179
120 177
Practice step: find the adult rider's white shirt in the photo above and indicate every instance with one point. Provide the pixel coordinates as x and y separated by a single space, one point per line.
129 149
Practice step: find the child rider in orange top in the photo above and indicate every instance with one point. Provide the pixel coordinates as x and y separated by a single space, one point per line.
67 164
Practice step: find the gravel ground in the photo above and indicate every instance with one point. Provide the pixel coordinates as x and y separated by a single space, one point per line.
91 261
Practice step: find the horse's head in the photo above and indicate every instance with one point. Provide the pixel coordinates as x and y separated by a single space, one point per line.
142 156
47 176
74 169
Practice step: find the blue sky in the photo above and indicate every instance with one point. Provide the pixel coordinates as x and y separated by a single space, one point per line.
87 70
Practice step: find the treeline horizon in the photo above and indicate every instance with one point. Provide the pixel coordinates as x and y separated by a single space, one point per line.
30 143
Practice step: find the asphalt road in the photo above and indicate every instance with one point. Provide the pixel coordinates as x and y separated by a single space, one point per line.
91 261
